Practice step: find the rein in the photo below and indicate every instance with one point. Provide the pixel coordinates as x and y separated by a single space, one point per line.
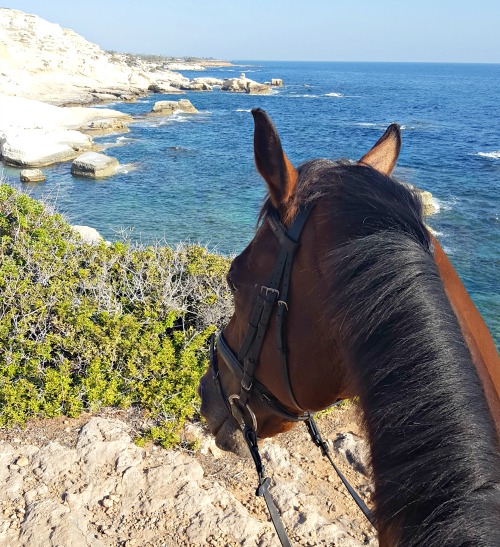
244 365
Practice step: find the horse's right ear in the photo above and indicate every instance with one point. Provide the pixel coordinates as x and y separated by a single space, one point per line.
384 154
280 175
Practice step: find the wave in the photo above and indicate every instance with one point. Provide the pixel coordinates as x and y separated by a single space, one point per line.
434 232
120 141
243 110
338 95
494 155
383 126
436 204
444 204
125 168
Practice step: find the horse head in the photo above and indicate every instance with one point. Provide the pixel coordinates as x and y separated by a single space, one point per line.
343 291
315 373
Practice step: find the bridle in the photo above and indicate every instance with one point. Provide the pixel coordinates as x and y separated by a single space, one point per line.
244 364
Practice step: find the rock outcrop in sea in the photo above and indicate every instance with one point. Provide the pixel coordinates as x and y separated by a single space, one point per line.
93 165
245 85
167 108
35 134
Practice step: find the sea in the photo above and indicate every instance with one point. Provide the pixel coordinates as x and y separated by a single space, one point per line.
191 178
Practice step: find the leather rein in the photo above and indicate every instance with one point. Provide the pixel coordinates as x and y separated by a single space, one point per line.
244 365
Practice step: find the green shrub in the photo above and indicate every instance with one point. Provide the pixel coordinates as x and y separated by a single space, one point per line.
84 326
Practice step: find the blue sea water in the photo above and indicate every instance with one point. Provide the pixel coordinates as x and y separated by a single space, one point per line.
193 177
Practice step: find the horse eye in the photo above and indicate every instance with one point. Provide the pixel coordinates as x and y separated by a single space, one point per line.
231 284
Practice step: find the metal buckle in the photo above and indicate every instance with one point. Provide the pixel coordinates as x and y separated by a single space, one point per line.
283 303
245 386
240 419
268 290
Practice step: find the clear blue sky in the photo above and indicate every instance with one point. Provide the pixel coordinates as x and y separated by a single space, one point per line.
315 30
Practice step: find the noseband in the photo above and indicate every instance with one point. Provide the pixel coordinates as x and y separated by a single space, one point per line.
244 364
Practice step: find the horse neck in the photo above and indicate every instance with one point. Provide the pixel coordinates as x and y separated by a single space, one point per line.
478 338
435 459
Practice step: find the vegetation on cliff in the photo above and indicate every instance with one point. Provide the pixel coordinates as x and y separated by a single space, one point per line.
84 326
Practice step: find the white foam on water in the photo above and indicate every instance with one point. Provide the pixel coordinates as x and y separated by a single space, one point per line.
494 155
125 168
434 232
243 110
383 126
444 205
338 95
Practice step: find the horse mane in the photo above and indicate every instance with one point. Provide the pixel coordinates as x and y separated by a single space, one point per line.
434 453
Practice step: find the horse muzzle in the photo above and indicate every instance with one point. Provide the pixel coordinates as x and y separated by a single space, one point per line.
227 434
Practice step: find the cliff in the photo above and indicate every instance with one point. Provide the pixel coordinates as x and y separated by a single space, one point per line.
43 61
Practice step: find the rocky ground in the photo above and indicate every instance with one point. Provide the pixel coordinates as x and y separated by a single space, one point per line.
84 482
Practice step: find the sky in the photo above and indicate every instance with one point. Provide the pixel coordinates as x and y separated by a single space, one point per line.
286 30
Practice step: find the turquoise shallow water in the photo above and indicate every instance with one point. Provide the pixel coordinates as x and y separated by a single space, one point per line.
187 166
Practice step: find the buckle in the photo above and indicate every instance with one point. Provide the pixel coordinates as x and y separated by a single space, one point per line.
236 411
245 385
268 290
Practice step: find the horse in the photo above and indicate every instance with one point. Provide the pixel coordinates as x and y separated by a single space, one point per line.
344 292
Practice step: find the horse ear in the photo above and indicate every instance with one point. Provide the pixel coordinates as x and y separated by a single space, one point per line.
273 165
384 155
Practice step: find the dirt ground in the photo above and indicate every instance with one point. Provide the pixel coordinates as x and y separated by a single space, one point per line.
306 488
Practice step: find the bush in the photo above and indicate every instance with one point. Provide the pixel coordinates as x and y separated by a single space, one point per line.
84 326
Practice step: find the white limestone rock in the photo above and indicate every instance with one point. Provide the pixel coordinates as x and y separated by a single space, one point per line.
88 234
354 450
209 81
39 148
245 85
39 59
166 88
36 134
31 175
94 165
167 108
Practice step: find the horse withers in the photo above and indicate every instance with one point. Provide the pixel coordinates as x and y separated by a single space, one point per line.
343 292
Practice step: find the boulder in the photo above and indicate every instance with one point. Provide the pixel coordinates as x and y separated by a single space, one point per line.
93 165
427 202
167 108
245 85
354 450
36 134
197 86
31 175
277 82
428 206
208 81
162 87
105 126
88 234
39 147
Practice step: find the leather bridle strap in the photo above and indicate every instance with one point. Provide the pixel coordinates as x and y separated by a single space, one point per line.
318 441
259 320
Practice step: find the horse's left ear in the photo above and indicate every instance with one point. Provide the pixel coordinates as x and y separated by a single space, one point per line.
384 155
280 175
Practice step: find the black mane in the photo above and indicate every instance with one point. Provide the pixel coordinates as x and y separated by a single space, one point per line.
434 453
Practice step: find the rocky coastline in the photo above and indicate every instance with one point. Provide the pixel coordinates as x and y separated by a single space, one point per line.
47 70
